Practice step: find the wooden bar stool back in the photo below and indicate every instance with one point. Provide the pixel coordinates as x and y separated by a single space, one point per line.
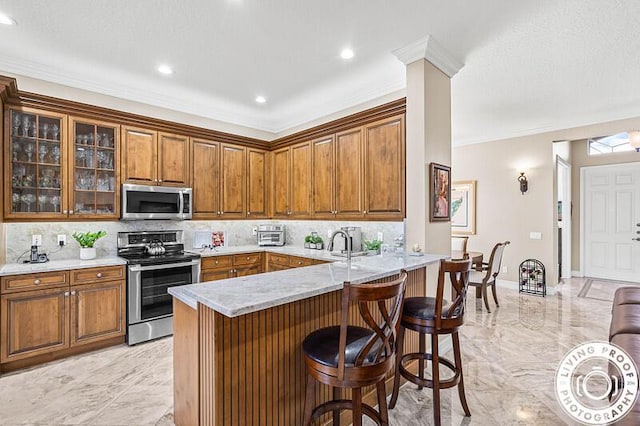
435 316
351 356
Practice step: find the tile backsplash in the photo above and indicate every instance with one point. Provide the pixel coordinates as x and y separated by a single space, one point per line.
238 232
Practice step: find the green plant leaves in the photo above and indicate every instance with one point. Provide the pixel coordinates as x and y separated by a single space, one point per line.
88 239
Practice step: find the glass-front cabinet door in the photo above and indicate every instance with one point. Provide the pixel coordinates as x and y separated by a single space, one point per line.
36 147
94 181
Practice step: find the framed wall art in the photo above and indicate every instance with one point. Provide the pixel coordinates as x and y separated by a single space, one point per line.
439 193
463 207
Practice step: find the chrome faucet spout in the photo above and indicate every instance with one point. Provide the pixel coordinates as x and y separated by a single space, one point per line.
347 238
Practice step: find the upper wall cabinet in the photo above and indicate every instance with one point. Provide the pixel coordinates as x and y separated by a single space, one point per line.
384 169
152 158
257 181
36 156
93 178
292 181
229 181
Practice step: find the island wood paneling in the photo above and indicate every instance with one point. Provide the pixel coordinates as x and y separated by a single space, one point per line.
251 368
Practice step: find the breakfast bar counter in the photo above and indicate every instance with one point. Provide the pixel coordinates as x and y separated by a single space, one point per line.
237 342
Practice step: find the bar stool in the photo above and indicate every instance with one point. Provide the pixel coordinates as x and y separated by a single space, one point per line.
351 356
435 316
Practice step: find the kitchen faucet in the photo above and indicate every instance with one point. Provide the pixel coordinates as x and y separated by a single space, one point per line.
346 236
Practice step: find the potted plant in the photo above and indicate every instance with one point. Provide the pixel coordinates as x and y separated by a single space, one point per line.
373 247
307 241
316 242
86 241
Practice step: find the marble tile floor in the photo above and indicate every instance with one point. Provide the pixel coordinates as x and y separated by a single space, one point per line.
510 356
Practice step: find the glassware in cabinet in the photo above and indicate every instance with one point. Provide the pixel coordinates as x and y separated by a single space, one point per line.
95 191
36 146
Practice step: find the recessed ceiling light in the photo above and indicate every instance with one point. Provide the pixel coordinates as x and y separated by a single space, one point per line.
165 69
346 53
7 20
261 99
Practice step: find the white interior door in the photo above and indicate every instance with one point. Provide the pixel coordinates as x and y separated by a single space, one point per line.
611 197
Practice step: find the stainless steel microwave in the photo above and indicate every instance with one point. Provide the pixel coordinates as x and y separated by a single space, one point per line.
155 202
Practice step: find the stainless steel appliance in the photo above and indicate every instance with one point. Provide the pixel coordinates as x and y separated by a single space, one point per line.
271 235
155 262
355 235
155 202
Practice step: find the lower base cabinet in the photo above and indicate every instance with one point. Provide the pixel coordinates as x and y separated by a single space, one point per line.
229 266
50 320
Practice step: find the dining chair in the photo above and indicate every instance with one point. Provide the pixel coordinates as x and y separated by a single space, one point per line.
459 243
490 270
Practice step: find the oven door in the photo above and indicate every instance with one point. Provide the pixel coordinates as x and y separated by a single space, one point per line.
148 295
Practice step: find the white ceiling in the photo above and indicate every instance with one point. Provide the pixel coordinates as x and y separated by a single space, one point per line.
530 65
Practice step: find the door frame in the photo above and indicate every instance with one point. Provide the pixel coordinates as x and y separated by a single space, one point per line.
567 222
583 171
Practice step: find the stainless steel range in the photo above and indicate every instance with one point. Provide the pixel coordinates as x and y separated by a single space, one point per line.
156 261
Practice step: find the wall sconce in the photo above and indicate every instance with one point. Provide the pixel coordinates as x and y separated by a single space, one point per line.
634 140
524 183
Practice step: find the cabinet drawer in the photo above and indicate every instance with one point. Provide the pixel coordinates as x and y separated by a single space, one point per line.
216 262
278 259
246 259
297 262
95 275
24 282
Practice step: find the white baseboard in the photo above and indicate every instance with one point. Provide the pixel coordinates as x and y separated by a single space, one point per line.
551 290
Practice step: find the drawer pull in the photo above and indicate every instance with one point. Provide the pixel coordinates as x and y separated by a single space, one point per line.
248 258
66 294
217 261
73 292
99 275
36 282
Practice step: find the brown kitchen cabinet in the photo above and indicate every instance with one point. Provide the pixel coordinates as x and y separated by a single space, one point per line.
36 164
384 169
154 158
280 262
94 185
292 181
34 323
257 183
68 310
230 266
337 189
219 177
98 311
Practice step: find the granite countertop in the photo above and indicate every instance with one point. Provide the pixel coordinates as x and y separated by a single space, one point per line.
239 296
58 265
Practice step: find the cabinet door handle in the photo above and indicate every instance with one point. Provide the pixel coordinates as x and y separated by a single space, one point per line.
248 213
99 275
70 211
221 212
36 282
64 211
66 294
160 180
73 292
365 212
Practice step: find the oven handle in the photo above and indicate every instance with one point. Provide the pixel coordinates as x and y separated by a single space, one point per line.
138 268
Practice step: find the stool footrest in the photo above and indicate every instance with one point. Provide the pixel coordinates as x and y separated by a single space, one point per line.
444 384
344 404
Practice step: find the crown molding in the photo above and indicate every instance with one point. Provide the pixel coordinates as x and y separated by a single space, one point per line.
430 49
8 88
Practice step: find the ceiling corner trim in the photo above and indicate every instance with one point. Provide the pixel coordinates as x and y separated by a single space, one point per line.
431 50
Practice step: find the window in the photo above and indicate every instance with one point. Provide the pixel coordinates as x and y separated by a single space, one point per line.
608 144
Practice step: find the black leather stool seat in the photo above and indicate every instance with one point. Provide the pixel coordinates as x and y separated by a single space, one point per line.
323 345
627 296
422 307
625 319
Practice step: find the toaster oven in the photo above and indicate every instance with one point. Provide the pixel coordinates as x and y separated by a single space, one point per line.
271 235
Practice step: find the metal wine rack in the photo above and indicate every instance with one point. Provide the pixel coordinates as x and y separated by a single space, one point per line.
533 278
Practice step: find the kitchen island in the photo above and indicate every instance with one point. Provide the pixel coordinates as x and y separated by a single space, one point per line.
237 342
